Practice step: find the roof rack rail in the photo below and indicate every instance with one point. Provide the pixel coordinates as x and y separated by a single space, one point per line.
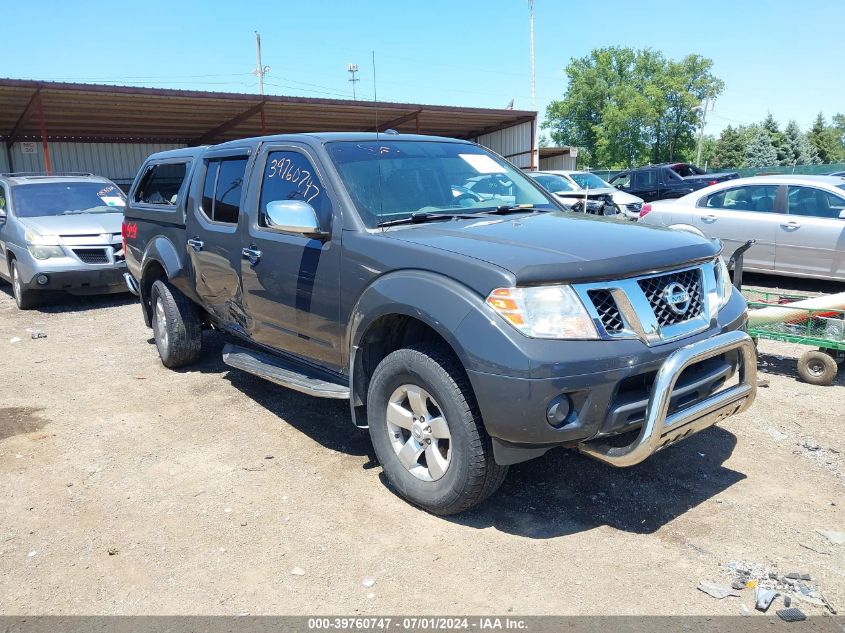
41 174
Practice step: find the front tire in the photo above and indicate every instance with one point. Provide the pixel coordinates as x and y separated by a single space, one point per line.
176 325
24 299
427 431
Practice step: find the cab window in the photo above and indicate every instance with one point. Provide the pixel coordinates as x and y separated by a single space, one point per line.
289 175
645 178
161 183
221 190
816 203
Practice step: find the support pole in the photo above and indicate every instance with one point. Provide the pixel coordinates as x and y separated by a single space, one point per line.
48 166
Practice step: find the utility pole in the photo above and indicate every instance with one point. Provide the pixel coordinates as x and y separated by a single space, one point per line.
533 78
260 70
352 69
705 107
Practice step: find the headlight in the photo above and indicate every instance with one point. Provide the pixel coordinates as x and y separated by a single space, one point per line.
43 247
723 281
544 312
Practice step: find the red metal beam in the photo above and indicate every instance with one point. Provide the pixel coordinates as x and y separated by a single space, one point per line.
231 123
395 122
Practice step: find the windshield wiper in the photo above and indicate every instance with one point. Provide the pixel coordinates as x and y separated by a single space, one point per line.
512 208
98 209
423 216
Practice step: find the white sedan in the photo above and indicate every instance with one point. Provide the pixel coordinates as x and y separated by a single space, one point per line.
798 222
628 205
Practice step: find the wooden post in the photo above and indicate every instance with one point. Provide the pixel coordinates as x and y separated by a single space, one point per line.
48 166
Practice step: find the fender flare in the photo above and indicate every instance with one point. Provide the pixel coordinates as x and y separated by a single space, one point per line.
160 250
436 300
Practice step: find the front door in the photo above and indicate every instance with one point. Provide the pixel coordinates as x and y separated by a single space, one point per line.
739 214
291 282
811 238
214 245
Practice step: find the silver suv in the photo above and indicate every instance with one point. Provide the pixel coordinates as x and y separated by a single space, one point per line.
60 232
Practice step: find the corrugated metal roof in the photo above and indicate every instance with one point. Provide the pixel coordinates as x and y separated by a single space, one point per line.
91 112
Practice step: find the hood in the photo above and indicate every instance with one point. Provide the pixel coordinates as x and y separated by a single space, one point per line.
82 224
561 247
622 197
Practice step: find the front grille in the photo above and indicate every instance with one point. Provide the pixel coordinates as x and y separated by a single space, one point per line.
654 289
609 313
92 255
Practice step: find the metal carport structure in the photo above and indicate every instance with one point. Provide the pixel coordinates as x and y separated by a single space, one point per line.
52 126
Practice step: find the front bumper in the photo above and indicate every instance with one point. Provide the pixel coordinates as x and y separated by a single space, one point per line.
99 280
661 428
615 389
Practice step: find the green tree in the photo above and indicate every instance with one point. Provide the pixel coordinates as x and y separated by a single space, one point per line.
730 150
776 137
625 107
824 141
761 152
797 149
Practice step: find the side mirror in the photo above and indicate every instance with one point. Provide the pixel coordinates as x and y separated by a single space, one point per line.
842 214
293 216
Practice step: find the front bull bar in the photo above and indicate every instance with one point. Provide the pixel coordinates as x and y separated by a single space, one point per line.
660 429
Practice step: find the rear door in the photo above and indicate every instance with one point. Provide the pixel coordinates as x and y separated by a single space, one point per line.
214 246
739 214
292 292
645 184
811 238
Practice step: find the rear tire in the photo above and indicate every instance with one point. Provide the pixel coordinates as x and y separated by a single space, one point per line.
817 368
24 299
432 446
176 325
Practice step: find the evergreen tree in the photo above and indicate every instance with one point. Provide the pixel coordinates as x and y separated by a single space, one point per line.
761 152
729 151
777 138
797 149
823 139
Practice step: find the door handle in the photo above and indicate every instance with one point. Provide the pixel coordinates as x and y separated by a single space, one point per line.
252 255
791 225
195 244
710 218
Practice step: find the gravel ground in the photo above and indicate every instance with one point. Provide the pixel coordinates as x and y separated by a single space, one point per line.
126 488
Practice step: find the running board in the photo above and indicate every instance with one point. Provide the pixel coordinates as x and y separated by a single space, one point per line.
283 372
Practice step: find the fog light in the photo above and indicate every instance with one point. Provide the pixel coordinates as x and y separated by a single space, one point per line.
42 279
558 411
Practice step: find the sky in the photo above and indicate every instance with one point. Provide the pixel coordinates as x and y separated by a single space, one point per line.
774 56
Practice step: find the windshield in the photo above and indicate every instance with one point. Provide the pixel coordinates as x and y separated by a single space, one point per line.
391 180
66 198
553 183
589 181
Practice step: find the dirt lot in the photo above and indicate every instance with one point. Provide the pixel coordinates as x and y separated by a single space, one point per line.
126 488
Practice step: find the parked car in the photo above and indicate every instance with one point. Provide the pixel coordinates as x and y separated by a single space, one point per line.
627 204
672 180
798 222
60 233
466 334
577 199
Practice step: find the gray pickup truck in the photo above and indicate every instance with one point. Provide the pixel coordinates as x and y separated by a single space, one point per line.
468 331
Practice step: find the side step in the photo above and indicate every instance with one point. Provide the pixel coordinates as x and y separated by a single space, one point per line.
285 373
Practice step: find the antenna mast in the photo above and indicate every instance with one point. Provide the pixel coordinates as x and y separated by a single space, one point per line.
352 69
259 70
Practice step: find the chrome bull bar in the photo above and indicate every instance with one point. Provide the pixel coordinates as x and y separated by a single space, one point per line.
659 429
